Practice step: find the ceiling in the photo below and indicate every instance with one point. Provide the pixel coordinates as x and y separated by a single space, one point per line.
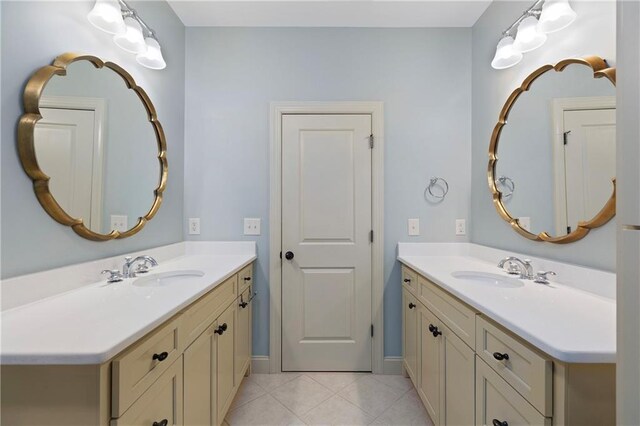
322 13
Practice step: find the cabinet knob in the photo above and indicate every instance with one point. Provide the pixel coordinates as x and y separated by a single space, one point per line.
161 356
501 357
247 278
221 329
163 422
288 255
434 330
412 305
407 280
243 305
497 422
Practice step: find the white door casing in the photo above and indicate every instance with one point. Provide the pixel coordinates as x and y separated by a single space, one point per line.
278 110
326 225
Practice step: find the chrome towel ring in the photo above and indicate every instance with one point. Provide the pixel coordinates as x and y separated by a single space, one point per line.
433 183
507 183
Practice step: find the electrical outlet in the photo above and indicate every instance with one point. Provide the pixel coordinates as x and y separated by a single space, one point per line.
414 227
194 226
119 222
251 226
525 222
461 227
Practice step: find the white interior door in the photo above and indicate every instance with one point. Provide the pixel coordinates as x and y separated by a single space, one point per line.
326 225
64 142
590 161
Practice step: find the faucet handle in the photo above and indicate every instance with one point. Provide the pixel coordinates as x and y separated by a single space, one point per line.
115 276
541 277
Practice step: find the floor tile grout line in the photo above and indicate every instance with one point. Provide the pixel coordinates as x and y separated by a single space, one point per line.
308 411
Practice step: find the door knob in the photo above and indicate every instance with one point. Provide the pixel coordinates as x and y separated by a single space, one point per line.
288 255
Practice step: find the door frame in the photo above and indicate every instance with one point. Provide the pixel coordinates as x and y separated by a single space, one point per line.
99 108
559 106
278 109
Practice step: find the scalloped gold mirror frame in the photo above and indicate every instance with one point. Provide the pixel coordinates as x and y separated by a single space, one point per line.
27 153
600 70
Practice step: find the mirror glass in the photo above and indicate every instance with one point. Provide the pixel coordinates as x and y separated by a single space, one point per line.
98 147
556 154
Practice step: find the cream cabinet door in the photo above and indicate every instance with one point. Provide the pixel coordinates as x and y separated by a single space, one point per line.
497 403
431 363
199 380
243 334
410 338
225 373
459 381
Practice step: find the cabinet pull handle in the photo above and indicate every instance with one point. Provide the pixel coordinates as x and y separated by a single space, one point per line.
497 422
407 280
161 356
412 305
501 357
163 422
434 330
247 278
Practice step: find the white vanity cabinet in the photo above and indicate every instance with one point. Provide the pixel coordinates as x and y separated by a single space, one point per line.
468 370
185 372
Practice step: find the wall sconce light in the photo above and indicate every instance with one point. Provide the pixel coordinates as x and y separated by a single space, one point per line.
131 33
530 30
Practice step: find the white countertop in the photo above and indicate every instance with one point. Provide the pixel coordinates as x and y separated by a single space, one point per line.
566 322
91 324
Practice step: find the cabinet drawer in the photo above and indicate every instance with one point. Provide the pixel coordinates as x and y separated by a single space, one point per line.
496 400
528 371
163 401
460 318
135 370
203 312
410 278
245 278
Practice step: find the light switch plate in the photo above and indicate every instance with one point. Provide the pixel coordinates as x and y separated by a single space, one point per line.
414 227
194 226
119 222
251 226
525 223
461 227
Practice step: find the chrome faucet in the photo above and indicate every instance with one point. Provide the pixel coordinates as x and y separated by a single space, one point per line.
142 267
522 267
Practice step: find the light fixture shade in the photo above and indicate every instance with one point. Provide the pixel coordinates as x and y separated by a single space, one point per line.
152 58
506 56
107 16
529 37
131 38
556 15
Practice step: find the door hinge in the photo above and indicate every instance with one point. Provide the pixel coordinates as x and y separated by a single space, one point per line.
564 136
371 141
371 236
568 229
371 330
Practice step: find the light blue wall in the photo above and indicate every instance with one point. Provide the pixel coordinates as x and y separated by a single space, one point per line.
422 75
593 33
33 34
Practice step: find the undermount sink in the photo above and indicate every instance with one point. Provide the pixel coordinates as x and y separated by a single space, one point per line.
167 278
487 278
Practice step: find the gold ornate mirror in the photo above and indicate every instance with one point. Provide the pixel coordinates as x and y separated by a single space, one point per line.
555 180
92 144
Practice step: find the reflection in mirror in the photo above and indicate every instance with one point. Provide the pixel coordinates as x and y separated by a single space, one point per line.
556 155
98 147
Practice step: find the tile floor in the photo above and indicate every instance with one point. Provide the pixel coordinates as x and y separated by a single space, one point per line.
326 399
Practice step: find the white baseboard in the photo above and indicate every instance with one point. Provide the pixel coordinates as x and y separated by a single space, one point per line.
391 365
260 364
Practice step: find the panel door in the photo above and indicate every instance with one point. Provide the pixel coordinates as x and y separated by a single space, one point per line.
410 338
431 365
243 334
459 381
199 381
326 224
590 161
225 373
